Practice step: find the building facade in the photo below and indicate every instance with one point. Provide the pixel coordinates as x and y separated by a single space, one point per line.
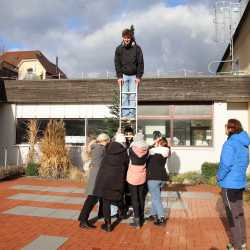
241 49
190 112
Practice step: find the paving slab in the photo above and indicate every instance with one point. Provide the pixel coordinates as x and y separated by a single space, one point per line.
198 195
30 211
64 214
47 198
19 210
29 187
45 242
49 189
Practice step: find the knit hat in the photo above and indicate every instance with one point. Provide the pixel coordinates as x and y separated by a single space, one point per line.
139 141
120 138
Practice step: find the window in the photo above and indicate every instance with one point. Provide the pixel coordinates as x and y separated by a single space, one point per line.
149 126
29 71
97 126
153 110
182 124
192 133
74 129
192 110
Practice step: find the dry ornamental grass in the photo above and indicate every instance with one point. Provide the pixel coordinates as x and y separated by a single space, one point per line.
54 160
32 131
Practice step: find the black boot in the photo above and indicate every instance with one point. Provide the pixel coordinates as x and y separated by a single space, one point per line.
136 223
142 219
152 218
160 222
100 215
121 214
107 225
86 224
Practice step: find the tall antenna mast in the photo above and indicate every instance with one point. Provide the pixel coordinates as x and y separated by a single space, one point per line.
226 18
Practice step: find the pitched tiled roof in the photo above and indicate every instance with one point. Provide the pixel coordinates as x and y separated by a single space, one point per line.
15 57
7 65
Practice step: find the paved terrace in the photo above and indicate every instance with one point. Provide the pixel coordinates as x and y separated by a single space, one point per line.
42 214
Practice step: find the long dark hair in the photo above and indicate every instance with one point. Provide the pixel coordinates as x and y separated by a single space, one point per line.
164 143
234 126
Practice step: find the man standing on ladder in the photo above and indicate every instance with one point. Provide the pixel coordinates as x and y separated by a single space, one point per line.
129 67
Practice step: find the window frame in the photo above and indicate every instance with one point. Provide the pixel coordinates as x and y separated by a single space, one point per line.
48 119
173 117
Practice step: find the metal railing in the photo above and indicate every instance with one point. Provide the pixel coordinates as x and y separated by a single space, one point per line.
17 155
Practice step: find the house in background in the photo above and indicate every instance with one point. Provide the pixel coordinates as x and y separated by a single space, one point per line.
7 70
31 65
241 48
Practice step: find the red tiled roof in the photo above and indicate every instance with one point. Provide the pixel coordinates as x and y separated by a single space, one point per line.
15 57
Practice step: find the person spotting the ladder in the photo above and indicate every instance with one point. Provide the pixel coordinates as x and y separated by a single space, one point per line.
129 67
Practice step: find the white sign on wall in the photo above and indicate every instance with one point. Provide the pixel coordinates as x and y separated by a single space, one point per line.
75 139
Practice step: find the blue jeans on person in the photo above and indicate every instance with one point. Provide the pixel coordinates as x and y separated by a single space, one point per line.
114 210
128 100
154 188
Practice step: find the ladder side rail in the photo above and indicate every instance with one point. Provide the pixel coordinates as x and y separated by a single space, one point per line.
136 109
120 109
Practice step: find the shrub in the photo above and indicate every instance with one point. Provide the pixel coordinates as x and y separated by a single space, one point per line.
32 169
209 170
246 196
212 181
188 178
11 171
248 179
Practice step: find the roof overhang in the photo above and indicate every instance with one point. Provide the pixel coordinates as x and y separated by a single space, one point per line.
102 91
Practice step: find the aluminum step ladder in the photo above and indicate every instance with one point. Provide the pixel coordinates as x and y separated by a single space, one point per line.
124 120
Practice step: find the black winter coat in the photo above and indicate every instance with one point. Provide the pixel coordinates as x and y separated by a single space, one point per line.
156 168
110 181
129 61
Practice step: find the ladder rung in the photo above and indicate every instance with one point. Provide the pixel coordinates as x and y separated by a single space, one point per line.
126 93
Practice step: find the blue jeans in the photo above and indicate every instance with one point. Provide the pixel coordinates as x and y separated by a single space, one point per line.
114 210
128 109
154 188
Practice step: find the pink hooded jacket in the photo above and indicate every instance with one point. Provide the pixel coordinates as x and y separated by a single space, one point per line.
138 154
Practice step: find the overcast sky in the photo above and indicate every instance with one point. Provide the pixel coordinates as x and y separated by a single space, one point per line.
174 34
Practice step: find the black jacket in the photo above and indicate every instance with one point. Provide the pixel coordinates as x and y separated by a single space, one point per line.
129 60
111 177
156 168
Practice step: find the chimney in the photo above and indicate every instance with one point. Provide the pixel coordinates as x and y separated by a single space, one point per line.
56 64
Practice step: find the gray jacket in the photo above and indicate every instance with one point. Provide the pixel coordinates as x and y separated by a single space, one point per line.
97 154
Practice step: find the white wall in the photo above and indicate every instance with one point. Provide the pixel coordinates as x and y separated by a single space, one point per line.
7 133
239 111
62 111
